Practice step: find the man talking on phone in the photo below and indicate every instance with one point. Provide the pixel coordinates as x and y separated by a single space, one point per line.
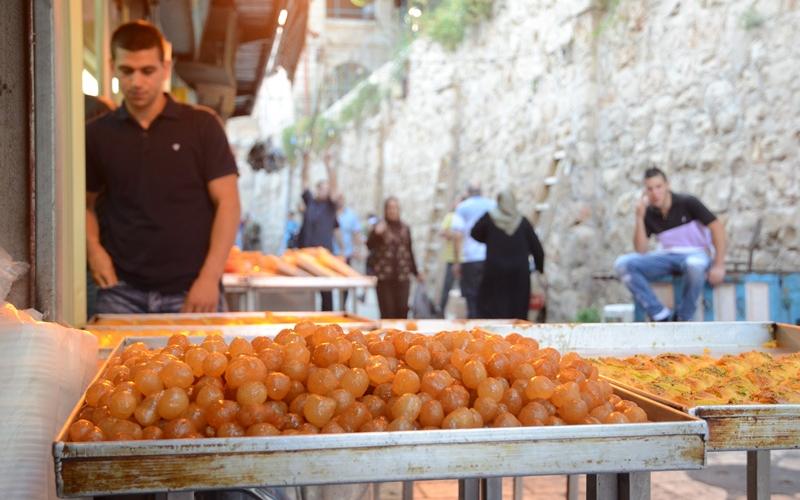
691 244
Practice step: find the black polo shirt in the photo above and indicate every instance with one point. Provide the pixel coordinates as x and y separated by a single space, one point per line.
684 225
154 210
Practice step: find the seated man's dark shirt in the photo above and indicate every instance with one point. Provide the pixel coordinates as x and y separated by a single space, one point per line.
684 227
154 210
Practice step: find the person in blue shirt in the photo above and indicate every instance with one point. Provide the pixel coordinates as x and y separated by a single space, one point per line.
470 254
350 229
290 233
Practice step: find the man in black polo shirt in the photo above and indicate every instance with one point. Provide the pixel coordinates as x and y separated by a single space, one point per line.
162 203
691 243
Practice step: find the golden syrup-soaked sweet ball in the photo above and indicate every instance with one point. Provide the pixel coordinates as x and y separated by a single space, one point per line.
532 414
212 345
148 381
473 373
194 357
378 370
453 397
375 405
276 413
215 364
251 391
523 371
460 418
487 408
546 367
613 400
570 375
382 348
506 419
107 425
127 428
332 427
405 382
230 429
278 385
325 354
262 429
359 357
244 368
338 370
512 399
591 392
439 358
220 412
252 414
354 416
146 413
565 393
434 382
574 412
297 404
295 370
303 329
383 391
122 404
272 357
117 374
152 432
635 415
407 406
539 387
321 381
623 405
260 343
417 357
498 365
356 336
492 388
97 390
343 400
554 420
80 430
86 413
178 339
208 394
296 351
615 417
177 374
431 413
319 410
308 428
400 424
378 424
240 346
172 403
295 389
195 415
293 421
601 411
344 348
401 342
458 357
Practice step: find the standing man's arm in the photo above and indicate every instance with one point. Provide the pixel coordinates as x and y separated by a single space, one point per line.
203 296
333 186
716 272
640 238
100 263
457 226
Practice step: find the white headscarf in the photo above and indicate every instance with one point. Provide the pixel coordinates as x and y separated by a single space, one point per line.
505 215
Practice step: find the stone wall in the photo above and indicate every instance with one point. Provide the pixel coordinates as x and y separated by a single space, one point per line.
707 90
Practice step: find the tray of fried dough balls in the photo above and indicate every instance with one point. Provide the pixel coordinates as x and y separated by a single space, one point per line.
319 405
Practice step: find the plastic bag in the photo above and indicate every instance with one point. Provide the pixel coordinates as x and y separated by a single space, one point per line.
422 307
10 271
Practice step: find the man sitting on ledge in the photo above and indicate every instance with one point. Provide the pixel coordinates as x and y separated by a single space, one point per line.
691 244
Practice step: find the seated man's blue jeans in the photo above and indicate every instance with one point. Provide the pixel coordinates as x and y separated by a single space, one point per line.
636 271
123 298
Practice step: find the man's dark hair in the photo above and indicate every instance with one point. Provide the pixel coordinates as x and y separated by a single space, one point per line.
137 35
654 172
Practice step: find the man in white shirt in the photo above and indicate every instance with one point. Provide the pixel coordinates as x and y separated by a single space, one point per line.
470 254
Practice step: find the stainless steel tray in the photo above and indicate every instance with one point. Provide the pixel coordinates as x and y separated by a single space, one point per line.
673 441
214 321
731 427
239 282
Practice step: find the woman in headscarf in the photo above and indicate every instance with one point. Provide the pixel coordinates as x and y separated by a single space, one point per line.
506 287
392 261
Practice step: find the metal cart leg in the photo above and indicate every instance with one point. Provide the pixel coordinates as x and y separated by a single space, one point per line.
175 495
492 488
517 482
634 486
628 486
758 475
408 490
601 487
252 299
469 489
572 487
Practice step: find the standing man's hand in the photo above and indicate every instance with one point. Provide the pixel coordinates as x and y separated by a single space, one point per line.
102 267
203 296
716 274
